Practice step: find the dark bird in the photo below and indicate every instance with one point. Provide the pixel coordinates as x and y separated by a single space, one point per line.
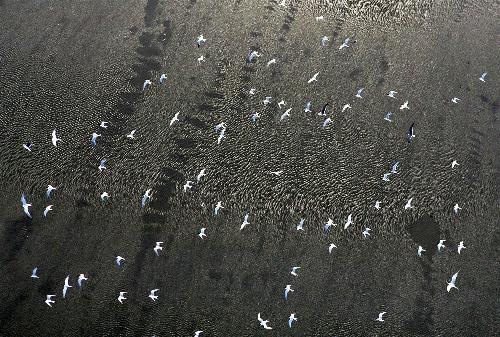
411 133
323 111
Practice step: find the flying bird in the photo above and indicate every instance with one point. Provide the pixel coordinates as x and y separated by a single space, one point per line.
323 111
483 77
218 207
456 208
66 286
330 247
349 221
54 138
392 93
294 271
345 107
320 18
119 260
420 251
102 165
49 301
121 297
441 245
380 319
245 221
314 78
187 185
455 100
366 232
174 119
81 278
360 91
408 204
388 116
324 41
454 163
197 333
33 273
47 209
308 106
263 323
94 138
345 44
158 247
385 177
394 169
410 134
221 135
404 106
461 246
104 125
252 91
104 196
25 205
267 100
152 295
273 61
146 84
452 282
300 226
288 289
277 173
377 205
282 102
163 78
200 175
329 224
220 127
291 319
131 135
200 41
285 114
146 197
50 189
252 56
255 117
202 233
28 146
326 122
201 59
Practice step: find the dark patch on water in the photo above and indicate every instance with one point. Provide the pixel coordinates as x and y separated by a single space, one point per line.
81 203
7 310
15 236
166 35
384 65
255 34
164 190
196 123
150 10
146 38
185 143
425 232
380 82
483 98
285 27
214 94
133 29
206 107
149 51
354 75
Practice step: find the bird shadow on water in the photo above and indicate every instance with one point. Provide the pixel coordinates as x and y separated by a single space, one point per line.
16 233
425 232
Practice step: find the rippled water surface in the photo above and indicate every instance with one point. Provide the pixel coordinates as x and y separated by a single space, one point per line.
68 65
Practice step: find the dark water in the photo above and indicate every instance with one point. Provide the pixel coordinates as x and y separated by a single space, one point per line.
69 65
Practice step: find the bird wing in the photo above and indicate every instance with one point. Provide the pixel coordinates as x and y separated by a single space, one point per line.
23 199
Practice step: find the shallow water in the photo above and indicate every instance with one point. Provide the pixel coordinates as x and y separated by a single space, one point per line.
76 64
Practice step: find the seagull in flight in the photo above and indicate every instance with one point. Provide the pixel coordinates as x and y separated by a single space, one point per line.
314 78
263 323
345 107
456 208
28 146
47 209
285 114
345 44
320 18
454 163
300 226
277 173
163 78
461 246
146 197
131 135
395 168
221 126
221 135
252 91
323 111
33 273
282 102
288 289
245 221
452 282
152 294
455 100
201 59
104 196
94 139
404 106
273 61
377 205
329 224
360 91
388 116
267 100
197 333
200 41
81 278
174 119
441 245
146 84
483 77
392 93
254 117
104 125
122 297
349 221
324 41
385 177
66 286
294 271
200 175
380 317
25 205
308 106
119 260
366 232
420 251
202 233
410 134
50 189
218 207
252 56
158 247
102 165
408 204
330 247
187 185
54 138
326 122
49 301
291 319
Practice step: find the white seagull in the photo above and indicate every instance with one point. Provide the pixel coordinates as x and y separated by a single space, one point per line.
454 163
360 91
288 289
395 168
291 319
146 197
452 282
197 333
420 251
320 18
385 177
187 185
81 278
456 208
47 209
122 296
28 146
308 106
54 138
349 221
404 106
146 84
324 41
380 317
300 226
50 189
461 246
218 207
277 173
330 247
267 100
388 116
33 273
392 93
245 221
158 247
345 44
483 77
366 232
280 103
326 122
273 61
200 40
345 107
285 114
152 294
200 175
294 271
119 260
48 301
314 78
408 204
201 59
94 138
25 205
441 245
104 196
131 135
255 116
202 233
66 286
263 323
102 165
174 119
377 205
163 78
455 100
104 125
